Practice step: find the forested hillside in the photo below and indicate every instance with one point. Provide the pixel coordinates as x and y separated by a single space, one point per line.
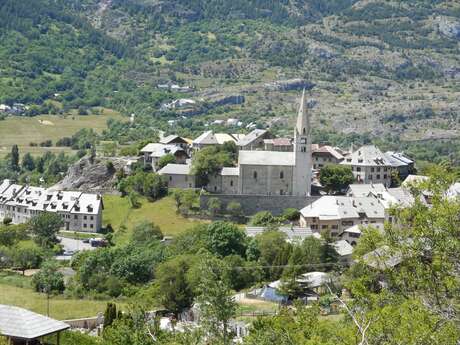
380 68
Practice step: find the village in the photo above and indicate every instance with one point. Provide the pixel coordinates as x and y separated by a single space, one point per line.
270 175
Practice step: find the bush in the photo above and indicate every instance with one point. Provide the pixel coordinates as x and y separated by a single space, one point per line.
235 210
263 218
7 220
291 214
214 206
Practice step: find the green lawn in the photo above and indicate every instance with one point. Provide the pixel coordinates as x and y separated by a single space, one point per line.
24 130
117 212
60 308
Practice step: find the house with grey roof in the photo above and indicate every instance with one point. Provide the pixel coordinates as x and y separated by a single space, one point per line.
79 211
153 152
323 155
402 163
337 213
178 176
293 233
209 138
254 140
370 165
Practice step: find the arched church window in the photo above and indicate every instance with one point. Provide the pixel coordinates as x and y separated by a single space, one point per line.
303 149
281 174
304 131
255 174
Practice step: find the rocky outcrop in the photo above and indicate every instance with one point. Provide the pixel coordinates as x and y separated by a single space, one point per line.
449 27
92 175
288 85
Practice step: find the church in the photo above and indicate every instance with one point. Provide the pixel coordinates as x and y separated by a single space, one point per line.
272 172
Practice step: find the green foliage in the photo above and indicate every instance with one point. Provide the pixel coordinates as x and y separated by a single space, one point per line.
165 160
223 239
145 232
263 218
291 214
48 280
214 206
12 234
26 256
147 184
44 227
335 178
208 162
110 314
235 210
215 299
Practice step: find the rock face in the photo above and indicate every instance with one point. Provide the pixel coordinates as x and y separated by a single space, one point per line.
449 28
288 85
94 176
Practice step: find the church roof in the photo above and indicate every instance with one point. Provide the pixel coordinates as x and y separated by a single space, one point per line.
266 158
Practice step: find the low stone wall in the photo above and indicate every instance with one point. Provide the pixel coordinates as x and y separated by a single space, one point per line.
252 204
85 323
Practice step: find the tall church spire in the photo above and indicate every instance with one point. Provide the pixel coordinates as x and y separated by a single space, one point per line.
303 123
302 151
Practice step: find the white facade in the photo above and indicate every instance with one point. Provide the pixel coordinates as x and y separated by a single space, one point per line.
80 211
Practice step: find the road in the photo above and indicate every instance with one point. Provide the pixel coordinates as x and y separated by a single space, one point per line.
70 244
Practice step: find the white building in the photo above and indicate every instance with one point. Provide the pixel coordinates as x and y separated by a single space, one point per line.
79 211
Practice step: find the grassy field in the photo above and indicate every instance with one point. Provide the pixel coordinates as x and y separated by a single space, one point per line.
16 290
117 212
24 130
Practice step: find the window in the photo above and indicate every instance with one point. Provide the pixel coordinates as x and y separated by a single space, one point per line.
334 227
378 169
170 178
255 174
372 169
84 225
385 176
75 217
85 217
231 183
92 218
378 176
314 226
358 168
281 174
303 149
91 226
324 226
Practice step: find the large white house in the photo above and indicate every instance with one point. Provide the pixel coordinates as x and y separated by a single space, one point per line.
79 211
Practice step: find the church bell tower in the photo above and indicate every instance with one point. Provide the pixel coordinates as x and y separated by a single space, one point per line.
302 151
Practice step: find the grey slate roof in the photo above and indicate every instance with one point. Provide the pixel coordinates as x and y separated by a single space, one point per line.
266 158
250 137
176 169
368 155
294 233
21 323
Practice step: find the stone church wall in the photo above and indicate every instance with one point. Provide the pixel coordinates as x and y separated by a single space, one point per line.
252 204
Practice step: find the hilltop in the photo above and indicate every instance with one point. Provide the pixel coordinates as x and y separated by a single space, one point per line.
380 68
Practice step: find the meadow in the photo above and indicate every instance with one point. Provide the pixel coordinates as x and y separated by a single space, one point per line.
118 212
22 130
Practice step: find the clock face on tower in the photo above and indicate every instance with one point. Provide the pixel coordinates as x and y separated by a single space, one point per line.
303 140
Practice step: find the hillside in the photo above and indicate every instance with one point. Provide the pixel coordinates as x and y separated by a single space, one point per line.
380 68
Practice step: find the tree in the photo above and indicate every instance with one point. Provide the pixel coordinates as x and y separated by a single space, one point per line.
215 299
335 178
146 232
133 198
27 256
172 288
224 238
165 160
110 314
214 206
263 218
291 214
14 158
235 210
44 227
28 162
49 280
208 162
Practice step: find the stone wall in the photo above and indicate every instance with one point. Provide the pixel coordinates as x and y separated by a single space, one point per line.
252 204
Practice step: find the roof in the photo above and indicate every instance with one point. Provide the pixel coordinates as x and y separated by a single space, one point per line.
400 156
364 189
314 279
382 258
343 248
266 158
328 150
411 179
279 141
292 233
251 137
172 139
176 169
368 155
21 323
210 138
230 171
343 207
160 150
